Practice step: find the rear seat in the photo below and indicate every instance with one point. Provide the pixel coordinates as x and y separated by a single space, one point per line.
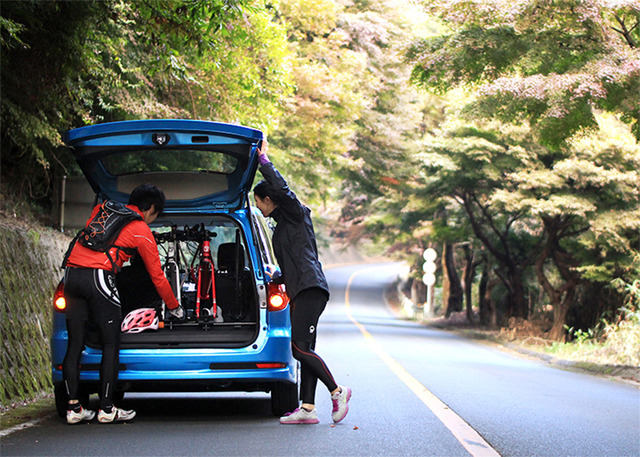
232 282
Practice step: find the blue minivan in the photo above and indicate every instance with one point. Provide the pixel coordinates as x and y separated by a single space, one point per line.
215 248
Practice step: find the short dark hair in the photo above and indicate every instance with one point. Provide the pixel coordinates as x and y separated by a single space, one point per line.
146 195
264 189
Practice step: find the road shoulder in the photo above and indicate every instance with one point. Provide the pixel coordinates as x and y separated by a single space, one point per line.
22 415
528 347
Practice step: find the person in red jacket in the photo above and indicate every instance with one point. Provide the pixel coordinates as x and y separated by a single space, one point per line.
91 294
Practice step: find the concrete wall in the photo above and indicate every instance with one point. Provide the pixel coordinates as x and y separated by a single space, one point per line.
73 201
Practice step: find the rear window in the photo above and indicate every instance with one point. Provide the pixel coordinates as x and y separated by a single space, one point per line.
222 230
169 160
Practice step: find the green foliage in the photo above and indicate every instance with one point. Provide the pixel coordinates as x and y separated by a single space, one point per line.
315 132
549 63
579 336
35 95
10 33
475 55
379 192
528 152
70 63
559 189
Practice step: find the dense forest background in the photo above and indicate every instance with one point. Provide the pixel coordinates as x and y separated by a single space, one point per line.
504 134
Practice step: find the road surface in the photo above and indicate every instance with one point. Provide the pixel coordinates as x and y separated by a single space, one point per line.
416 392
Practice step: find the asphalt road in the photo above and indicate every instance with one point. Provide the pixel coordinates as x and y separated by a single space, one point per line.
417 392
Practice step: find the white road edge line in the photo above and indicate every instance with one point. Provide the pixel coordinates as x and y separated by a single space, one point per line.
461 430
24 425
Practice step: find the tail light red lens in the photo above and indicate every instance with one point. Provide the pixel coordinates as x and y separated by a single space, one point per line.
277 297
270 365
59 302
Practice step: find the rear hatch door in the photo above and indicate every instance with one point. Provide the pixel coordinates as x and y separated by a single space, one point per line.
200 165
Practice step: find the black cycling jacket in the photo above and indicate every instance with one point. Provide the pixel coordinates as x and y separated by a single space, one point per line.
294 240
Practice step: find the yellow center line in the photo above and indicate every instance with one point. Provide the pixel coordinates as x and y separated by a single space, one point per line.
462 431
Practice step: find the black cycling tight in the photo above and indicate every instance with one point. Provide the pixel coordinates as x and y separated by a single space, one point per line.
312 368
77 330
92 297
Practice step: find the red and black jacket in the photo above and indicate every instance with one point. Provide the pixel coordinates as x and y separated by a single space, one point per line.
136 235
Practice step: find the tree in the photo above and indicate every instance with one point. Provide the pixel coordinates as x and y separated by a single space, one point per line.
70 63
549 63
521 75
379 172
597 184
316 132
42 42
466 165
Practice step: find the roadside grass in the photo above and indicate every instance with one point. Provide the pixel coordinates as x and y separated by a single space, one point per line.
617 356
612 344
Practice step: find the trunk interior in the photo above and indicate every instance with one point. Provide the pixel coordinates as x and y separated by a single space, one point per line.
184 244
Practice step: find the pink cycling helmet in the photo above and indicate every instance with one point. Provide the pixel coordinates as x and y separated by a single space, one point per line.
139 320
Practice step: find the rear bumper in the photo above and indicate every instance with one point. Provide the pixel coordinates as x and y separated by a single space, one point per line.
254 367
171 370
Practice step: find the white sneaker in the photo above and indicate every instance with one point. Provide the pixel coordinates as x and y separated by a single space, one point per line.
300 416
340 403
116 415
83 415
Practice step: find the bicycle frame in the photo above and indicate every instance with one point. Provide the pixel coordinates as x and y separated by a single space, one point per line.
206 289
202 275
172 269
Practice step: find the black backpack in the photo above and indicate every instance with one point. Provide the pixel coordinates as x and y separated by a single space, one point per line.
103 230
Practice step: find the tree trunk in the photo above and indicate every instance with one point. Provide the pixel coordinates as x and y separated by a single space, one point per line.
560 297
517 305
444 298
484 300
512 265
488 315
467 275
454 302
560 316
520 305
418 292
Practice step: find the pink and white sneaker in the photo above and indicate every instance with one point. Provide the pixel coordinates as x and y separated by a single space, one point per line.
340 403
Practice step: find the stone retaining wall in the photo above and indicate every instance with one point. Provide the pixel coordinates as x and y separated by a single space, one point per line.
29 273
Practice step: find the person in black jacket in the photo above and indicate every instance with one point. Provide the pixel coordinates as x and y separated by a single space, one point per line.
294 242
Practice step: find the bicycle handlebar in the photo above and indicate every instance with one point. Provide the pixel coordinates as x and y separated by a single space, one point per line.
195 233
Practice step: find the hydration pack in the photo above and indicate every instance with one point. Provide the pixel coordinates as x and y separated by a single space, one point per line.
102 231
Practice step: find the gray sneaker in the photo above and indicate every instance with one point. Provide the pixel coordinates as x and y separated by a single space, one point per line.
116 415
83 415
300 416
178 312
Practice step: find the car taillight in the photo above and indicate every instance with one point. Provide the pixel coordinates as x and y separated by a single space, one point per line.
277 299
271 365
59 302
